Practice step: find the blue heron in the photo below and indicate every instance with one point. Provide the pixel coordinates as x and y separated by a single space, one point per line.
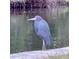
42 30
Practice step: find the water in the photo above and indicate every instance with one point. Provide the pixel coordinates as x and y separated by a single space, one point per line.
22 34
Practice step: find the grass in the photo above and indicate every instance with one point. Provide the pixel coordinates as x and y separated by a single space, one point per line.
59 57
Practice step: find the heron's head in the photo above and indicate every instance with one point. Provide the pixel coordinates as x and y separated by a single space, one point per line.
38 18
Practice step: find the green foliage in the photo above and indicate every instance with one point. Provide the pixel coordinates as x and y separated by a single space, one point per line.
23 37
59 57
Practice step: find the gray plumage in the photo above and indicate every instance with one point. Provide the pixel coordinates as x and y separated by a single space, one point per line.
42 30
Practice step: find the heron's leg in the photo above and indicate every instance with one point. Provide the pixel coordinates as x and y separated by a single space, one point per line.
43 46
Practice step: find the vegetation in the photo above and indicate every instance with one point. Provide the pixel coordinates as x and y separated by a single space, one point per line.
23 37
59 57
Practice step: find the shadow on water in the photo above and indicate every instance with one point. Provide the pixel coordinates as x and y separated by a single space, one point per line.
23 37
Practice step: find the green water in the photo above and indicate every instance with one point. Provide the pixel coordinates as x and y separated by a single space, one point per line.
22 34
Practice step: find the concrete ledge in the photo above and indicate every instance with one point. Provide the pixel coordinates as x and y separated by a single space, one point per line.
40 54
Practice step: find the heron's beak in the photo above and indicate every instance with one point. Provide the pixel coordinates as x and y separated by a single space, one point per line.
32 19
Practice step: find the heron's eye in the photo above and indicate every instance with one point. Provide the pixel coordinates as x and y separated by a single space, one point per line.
38 19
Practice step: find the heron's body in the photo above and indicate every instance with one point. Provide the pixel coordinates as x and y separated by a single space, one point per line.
42 30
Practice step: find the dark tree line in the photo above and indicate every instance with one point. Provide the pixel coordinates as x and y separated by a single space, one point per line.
18 7
63 3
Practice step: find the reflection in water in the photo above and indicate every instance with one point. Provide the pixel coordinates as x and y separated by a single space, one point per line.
23 37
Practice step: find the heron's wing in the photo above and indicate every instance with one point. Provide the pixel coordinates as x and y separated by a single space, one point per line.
44 31
43 28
